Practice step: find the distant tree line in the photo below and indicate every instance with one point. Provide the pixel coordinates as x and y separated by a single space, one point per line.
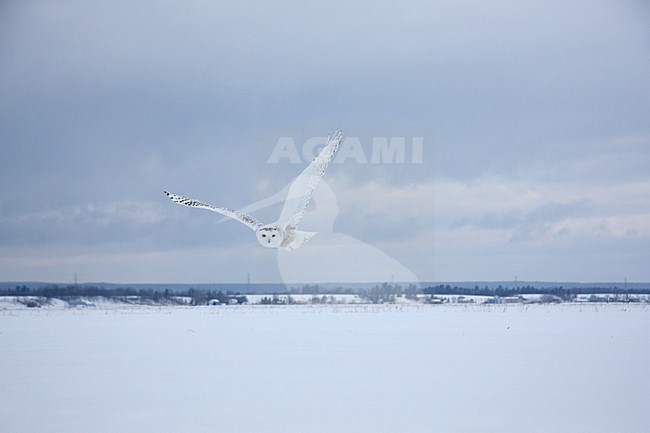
386 293
379 294
561 292
315 289
382 293
195 297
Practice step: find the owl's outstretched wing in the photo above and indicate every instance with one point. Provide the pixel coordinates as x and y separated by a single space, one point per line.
234 214
303 187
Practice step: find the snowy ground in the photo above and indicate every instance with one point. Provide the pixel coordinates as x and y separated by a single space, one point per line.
397 368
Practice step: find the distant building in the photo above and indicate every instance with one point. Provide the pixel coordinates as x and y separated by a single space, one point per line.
79 303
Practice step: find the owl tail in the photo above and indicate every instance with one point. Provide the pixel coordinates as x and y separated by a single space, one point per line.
300 238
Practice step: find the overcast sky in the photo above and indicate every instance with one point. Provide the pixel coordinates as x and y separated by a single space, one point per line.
534 118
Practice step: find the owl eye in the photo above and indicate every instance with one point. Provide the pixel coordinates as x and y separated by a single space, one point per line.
263 236
273 236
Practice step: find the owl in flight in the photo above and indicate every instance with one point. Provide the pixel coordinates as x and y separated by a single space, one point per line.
283 233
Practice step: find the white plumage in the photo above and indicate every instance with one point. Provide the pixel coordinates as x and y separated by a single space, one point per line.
283 233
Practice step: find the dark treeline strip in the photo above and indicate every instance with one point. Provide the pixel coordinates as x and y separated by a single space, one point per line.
383 292
195 297
560 291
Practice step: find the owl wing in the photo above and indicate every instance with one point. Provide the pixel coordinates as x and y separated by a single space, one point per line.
278 197
303 187
234 214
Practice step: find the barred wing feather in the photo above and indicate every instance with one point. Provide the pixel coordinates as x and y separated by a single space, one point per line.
234 214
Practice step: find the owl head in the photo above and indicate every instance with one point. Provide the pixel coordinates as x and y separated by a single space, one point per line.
270 236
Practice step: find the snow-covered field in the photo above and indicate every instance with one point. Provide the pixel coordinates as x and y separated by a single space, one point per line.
355 368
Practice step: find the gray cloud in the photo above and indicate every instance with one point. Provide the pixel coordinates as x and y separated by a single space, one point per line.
104 105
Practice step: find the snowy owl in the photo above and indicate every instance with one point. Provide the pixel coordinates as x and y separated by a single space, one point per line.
282 234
